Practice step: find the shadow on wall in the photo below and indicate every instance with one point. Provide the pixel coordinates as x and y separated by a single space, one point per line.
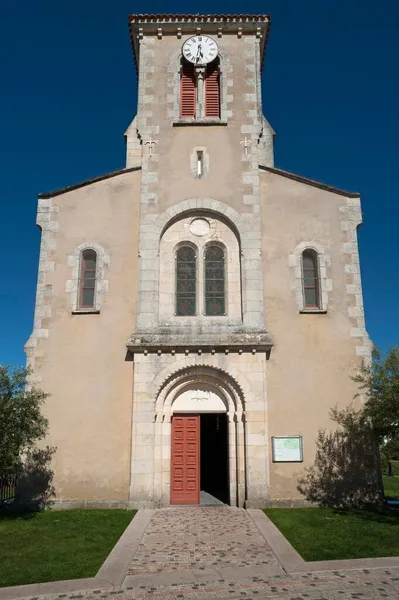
346 471
33 489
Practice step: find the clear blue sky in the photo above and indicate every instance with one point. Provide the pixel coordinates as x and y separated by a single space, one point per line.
68 92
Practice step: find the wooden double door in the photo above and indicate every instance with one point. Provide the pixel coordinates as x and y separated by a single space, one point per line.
185 467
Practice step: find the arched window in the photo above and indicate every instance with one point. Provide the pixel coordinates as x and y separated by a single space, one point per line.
87 283
188 90
186 281
212 90
310 278
214 281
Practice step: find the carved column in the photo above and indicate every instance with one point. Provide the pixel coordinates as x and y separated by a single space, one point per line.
240 460
158 461
232 446
166 458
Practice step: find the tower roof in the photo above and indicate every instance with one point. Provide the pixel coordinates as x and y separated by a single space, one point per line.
169 24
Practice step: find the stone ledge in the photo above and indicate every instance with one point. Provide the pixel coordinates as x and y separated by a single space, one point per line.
202 122
85 312
217 341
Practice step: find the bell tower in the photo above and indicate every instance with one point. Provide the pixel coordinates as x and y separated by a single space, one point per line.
199 135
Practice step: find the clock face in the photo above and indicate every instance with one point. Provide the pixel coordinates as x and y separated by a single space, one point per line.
200 49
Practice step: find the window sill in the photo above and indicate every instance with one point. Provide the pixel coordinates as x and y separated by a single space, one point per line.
205 121
313 311
200 315
87 311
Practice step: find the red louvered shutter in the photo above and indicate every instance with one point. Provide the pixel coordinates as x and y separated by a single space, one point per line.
187 91
212 91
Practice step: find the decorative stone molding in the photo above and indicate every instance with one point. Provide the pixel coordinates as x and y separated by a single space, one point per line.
72 285
203 374
325 281
351 219
197 367
246 226
143 26
48 223
181 232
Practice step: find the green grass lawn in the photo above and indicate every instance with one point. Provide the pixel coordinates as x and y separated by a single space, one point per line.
391 487
55 545
395 467
325 534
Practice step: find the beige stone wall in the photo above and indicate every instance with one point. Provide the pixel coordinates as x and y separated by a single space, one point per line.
80 358
314 355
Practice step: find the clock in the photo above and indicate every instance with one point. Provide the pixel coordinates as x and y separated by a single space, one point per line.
200 49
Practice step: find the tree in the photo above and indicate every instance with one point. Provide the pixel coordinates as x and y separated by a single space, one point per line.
345 472
379 381
22 425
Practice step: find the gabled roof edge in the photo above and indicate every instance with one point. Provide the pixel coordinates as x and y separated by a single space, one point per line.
76 186
318 184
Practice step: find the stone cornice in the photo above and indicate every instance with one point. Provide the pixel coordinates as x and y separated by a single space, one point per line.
166 24
250 341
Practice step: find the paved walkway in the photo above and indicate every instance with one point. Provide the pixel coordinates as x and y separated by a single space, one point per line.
212 553
200 544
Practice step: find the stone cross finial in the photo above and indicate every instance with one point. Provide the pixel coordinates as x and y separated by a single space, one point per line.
151 143
246 143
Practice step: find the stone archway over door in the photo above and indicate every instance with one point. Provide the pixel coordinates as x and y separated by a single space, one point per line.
192 389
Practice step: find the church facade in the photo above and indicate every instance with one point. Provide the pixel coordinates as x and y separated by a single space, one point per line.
200 311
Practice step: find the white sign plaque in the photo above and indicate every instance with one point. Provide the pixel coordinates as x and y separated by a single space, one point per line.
287 448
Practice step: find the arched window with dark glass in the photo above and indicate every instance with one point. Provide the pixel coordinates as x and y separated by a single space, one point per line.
186 281
87 287
214 280
310 278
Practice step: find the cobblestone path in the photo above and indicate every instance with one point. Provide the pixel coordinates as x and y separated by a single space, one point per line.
217 553
202 539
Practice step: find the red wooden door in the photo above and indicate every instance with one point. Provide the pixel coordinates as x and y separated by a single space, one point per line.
185 480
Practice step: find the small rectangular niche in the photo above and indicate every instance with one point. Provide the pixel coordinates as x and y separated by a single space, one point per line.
200 163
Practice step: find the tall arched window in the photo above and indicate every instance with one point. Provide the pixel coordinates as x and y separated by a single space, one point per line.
186 281
87 287
188 90
214 281
310 278
212 90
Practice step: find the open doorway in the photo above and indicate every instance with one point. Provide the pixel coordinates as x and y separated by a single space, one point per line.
214 461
